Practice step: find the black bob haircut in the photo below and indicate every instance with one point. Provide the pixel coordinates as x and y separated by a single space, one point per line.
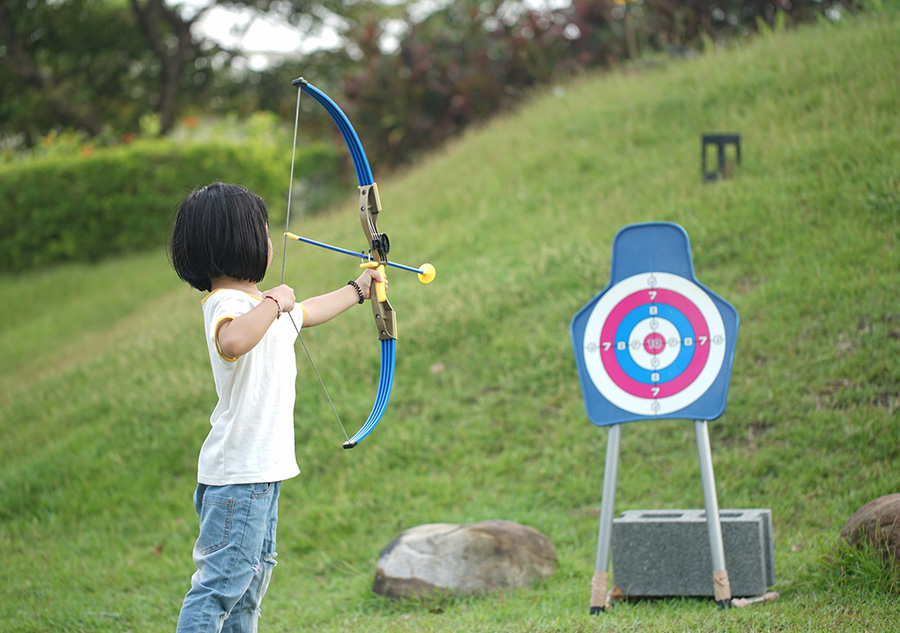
220 230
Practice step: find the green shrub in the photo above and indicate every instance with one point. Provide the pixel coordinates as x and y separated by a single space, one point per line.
107 201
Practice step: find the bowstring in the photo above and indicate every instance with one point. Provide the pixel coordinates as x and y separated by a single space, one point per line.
287 226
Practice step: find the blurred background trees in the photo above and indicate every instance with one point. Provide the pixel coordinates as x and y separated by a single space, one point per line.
410 73
112 110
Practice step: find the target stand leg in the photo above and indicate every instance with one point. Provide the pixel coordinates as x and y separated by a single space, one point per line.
600 581
721 586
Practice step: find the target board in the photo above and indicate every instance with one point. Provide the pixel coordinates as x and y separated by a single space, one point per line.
655 343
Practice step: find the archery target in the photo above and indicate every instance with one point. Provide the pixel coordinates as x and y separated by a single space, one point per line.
654 343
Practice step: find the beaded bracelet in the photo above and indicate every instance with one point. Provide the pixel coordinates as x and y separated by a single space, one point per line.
359 292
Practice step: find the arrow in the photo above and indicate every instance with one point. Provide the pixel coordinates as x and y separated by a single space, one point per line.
426 273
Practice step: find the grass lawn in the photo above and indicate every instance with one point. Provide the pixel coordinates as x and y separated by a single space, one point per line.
105 389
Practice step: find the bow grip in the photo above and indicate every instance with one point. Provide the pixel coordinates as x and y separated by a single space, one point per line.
385 320
378 289
380 292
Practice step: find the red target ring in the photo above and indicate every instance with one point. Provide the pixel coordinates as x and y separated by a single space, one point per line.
655 343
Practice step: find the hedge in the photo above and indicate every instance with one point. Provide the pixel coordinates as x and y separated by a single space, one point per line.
85 208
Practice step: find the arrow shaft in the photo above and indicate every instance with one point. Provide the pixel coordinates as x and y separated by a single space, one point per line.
360 255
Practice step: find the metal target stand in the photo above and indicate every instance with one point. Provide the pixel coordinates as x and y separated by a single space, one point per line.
600 581
652 271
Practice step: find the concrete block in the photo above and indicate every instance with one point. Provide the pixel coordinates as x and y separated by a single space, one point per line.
658 553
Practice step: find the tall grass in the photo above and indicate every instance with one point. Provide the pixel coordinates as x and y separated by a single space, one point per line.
106 390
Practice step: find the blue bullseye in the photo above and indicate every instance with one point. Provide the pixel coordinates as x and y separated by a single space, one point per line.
664 313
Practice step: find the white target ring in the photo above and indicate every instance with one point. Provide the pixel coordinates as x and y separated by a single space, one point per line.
654 343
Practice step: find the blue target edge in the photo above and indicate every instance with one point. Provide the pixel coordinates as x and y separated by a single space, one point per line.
642 248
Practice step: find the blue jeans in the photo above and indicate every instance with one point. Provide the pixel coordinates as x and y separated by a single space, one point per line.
234 554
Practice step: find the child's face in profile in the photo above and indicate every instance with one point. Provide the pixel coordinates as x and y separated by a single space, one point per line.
269 240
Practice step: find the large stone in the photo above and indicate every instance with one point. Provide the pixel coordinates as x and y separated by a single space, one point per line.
470 558
877 522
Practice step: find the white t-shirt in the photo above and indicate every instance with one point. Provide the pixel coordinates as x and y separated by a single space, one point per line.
252 434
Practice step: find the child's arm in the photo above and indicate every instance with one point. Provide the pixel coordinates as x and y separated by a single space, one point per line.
325 307
238 336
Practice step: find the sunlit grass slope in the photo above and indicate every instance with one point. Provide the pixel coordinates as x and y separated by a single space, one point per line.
105 390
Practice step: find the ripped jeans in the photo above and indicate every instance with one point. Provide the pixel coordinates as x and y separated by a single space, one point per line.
234 554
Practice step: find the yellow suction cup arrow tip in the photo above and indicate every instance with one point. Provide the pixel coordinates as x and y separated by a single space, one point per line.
427 274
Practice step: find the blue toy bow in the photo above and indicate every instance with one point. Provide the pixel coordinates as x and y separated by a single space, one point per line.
379 245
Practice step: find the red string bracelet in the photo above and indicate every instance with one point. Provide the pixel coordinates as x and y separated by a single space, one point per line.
278 305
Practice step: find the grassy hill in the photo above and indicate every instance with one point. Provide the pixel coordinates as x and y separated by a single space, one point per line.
105 390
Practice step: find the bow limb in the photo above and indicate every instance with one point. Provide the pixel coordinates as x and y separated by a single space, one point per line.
379 246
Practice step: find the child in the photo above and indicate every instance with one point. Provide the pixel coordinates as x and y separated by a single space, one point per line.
220 245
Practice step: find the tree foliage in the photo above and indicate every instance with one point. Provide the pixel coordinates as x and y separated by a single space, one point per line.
93 65
51 74
472 58
409 79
